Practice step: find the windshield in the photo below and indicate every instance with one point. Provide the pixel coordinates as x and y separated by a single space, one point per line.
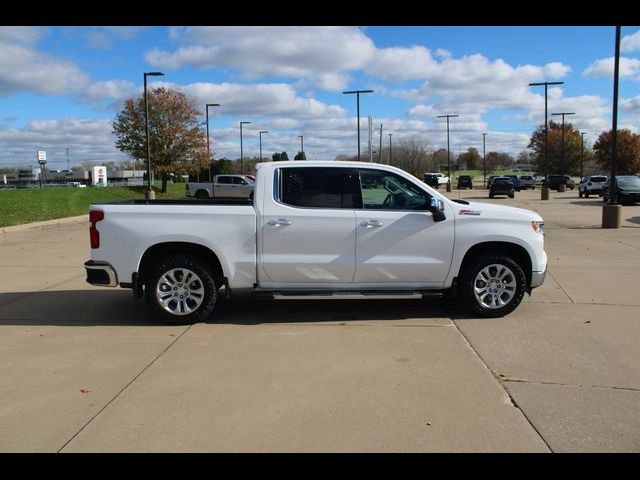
629 182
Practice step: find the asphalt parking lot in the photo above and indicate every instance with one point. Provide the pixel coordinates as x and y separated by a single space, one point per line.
88 369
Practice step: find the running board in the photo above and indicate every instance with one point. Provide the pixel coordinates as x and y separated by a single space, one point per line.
348 295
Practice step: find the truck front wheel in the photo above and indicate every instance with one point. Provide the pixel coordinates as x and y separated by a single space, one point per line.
180 289
492 285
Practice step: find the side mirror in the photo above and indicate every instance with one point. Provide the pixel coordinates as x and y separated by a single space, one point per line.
437 209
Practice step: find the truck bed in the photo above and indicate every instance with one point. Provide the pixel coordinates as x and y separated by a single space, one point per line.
187 201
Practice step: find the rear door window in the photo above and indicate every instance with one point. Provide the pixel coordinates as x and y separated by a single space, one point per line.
226 180
319 187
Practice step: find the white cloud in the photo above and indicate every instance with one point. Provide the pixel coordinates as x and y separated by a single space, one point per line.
86 140
23 68
269 99
630 43
631 105
118 90
320 55
629 67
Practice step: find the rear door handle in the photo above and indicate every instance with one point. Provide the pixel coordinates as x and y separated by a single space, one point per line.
279 221
372 223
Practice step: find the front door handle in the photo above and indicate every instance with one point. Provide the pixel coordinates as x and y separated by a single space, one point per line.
280 221
372 223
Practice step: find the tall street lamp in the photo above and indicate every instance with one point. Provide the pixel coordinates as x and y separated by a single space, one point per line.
260 134
562 146
582 154
149 194
612 211
208 151
544 191
390 148
448 154
358 92
484 157
241 152
301 137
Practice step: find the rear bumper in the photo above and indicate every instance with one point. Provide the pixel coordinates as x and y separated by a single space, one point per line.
101 274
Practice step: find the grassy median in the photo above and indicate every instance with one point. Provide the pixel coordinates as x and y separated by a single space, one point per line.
26 205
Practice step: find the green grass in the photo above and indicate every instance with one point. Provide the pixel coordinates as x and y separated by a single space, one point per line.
18 206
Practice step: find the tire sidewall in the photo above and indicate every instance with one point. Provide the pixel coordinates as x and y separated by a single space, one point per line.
466 287
196 265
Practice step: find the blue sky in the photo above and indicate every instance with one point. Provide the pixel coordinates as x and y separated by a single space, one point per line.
60 86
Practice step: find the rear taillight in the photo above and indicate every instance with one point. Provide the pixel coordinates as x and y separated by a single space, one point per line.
94 217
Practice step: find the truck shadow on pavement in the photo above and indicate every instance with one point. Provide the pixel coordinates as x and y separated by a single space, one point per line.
118 308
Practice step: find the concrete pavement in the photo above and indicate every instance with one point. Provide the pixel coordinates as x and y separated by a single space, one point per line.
326 376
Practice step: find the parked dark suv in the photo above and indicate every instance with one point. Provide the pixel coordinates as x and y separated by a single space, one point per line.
502 186
553 182
431 180
628 189
465 181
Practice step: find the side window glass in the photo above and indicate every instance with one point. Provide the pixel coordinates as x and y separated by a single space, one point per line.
224 180
320 187
386 191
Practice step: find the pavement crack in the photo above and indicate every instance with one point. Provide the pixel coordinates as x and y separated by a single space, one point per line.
500 379
542 382
561 287
124 388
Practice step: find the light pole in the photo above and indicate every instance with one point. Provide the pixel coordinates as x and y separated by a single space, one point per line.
544 191
448 154
562 146
390 147
68 169
241 152
612 211
484 157
358 92
208 151
149 194
260 134
301 137
581 154
380 149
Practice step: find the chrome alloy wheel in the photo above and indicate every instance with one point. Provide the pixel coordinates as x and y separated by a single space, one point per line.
494 286
180 291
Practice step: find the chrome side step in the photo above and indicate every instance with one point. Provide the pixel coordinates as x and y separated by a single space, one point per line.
347 295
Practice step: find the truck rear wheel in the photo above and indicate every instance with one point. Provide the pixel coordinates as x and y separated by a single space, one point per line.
180 289
492 285
201 194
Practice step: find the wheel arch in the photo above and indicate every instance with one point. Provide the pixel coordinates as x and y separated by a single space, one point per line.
160 250
517 252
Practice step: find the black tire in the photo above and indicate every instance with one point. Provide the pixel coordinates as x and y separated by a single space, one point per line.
201 194
580 194
586 194
512 195
466 286
156 284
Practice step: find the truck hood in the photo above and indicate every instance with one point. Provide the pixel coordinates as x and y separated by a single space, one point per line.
492 210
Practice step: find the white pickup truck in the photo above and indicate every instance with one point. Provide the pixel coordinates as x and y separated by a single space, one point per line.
313 232
223 186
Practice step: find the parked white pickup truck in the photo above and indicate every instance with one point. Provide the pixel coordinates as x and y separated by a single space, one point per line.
313 232
223 186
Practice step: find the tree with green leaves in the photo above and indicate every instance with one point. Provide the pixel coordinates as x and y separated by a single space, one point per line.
555 162
177 140
300 156
627 151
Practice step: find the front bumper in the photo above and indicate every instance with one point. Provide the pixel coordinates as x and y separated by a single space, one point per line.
101 274
537 278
